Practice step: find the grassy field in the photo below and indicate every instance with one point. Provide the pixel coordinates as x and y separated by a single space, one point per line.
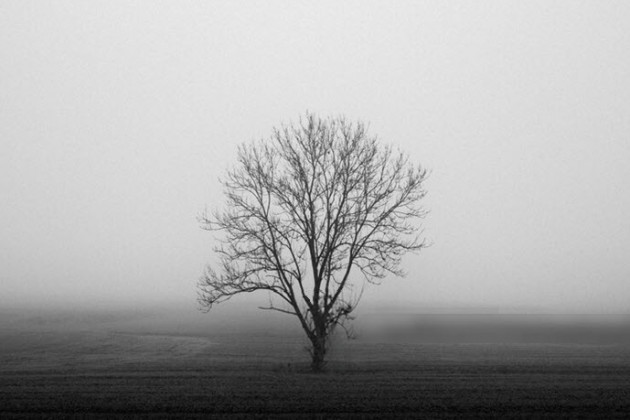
100 372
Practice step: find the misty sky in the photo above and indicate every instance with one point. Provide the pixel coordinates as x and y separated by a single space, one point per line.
117 118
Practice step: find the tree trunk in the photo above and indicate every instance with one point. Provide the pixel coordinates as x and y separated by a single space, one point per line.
318 352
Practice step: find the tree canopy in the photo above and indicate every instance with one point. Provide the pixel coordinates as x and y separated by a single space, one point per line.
304 208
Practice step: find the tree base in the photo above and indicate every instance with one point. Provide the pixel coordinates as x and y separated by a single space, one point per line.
318 367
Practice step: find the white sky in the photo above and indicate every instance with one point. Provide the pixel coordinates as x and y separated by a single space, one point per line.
117 118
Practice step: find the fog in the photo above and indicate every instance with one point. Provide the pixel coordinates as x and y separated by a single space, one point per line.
117 118
382 325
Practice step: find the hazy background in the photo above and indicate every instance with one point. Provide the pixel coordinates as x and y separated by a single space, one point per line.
117 118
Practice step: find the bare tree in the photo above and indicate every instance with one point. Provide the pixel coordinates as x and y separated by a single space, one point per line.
304 208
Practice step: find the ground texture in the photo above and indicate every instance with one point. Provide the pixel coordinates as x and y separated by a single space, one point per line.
107 374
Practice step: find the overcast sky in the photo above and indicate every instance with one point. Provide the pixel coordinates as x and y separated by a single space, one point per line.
117 118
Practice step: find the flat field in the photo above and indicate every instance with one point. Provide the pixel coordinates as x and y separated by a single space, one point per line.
105 372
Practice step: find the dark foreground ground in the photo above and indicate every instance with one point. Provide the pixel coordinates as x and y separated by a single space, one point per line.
105 373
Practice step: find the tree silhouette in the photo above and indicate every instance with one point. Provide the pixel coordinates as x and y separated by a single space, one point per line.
304 208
